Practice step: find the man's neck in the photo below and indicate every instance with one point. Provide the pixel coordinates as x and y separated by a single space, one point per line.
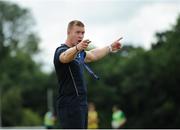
69 43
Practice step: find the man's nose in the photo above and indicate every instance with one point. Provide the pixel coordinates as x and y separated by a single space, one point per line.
81 35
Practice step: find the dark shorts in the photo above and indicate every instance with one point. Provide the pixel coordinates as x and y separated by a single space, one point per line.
73 117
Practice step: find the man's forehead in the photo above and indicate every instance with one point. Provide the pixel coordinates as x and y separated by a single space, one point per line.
78 28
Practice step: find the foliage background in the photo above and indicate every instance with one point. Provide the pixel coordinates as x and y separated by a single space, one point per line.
144 83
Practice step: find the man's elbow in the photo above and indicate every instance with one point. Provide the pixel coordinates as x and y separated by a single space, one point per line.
92 58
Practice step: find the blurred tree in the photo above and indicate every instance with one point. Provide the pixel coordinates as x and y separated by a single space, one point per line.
31 118
11 107
18 45
144 83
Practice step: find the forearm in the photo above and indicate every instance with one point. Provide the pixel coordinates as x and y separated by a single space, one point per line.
99 53
68 55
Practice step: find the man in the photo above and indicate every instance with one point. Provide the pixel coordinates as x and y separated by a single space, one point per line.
92 116
69 62
49 120
118 118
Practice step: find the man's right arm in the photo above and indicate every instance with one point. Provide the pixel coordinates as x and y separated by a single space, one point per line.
71 53
68 55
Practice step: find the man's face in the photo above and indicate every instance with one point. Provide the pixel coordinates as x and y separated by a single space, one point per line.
76 34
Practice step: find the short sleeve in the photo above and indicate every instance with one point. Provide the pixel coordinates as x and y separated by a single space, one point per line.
58 52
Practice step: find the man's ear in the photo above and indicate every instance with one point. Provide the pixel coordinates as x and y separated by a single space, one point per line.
68 32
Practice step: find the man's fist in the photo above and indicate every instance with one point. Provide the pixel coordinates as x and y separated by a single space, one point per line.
83 44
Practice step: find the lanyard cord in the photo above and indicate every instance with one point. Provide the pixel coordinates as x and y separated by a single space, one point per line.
82 55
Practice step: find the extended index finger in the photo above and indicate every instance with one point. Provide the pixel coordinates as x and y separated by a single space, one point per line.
119 39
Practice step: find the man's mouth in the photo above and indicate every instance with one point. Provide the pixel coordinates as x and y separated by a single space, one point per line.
79 41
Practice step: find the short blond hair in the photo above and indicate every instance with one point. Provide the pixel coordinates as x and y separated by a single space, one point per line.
75 23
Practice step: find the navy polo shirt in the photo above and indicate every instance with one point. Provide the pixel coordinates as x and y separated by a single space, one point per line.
72 90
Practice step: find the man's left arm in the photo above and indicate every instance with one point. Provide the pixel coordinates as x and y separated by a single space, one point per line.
98 53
